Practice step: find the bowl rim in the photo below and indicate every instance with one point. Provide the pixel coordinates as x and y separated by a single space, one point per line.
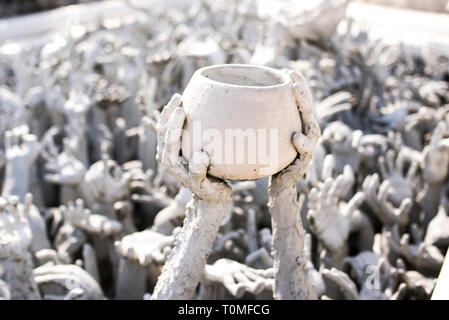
286 81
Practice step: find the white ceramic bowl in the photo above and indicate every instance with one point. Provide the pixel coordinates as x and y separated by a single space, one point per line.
244 116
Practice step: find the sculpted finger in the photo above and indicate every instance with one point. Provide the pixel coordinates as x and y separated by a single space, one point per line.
266 273
356 138
383 167
301 91
198 165
354 203
28 201
400 162
348 175
349 180
383 191
161 126
412 170
437 135
325 190
150 123
328 166
313 198
158 257
390 161
334 192
166 113
404 211
237 290
302 143
79 205
172 139
374 183
304 101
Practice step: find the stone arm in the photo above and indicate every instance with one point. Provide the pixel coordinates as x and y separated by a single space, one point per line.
211 199
291 281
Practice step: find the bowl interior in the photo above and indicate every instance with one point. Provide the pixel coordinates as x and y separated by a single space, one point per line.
240 75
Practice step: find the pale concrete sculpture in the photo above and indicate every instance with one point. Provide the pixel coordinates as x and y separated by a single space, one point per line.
66 282
16 238
269 103
81 217
21 150
328 217
101 198
208 207
434 164
209 194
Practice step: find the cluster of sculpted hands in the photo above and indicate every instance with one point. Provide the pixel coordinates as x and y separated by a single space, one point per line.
97 201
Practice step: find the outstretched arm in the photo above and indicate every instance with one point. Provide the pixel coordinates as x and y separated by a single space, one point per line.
291 281
211 199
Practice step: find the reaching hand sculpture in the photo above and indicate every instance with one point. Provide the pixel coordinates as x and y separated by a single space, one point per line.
377 199
435 166
66 282
329 217
344 145
424 257
399 185
82 218
145 247
21 150
104 182
370 272
211 199
238 278
291 281
164 220
432 91
139 253
15 243
63 168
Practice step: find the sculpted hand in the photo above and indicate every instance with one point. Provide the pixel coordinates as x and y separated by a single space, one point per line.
377 200
328 216
399 184
15 231
344 143
304 143
20 146
432 91
81 217
436 156
238 278
145 247
191 175
64 167
21 150
424 257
